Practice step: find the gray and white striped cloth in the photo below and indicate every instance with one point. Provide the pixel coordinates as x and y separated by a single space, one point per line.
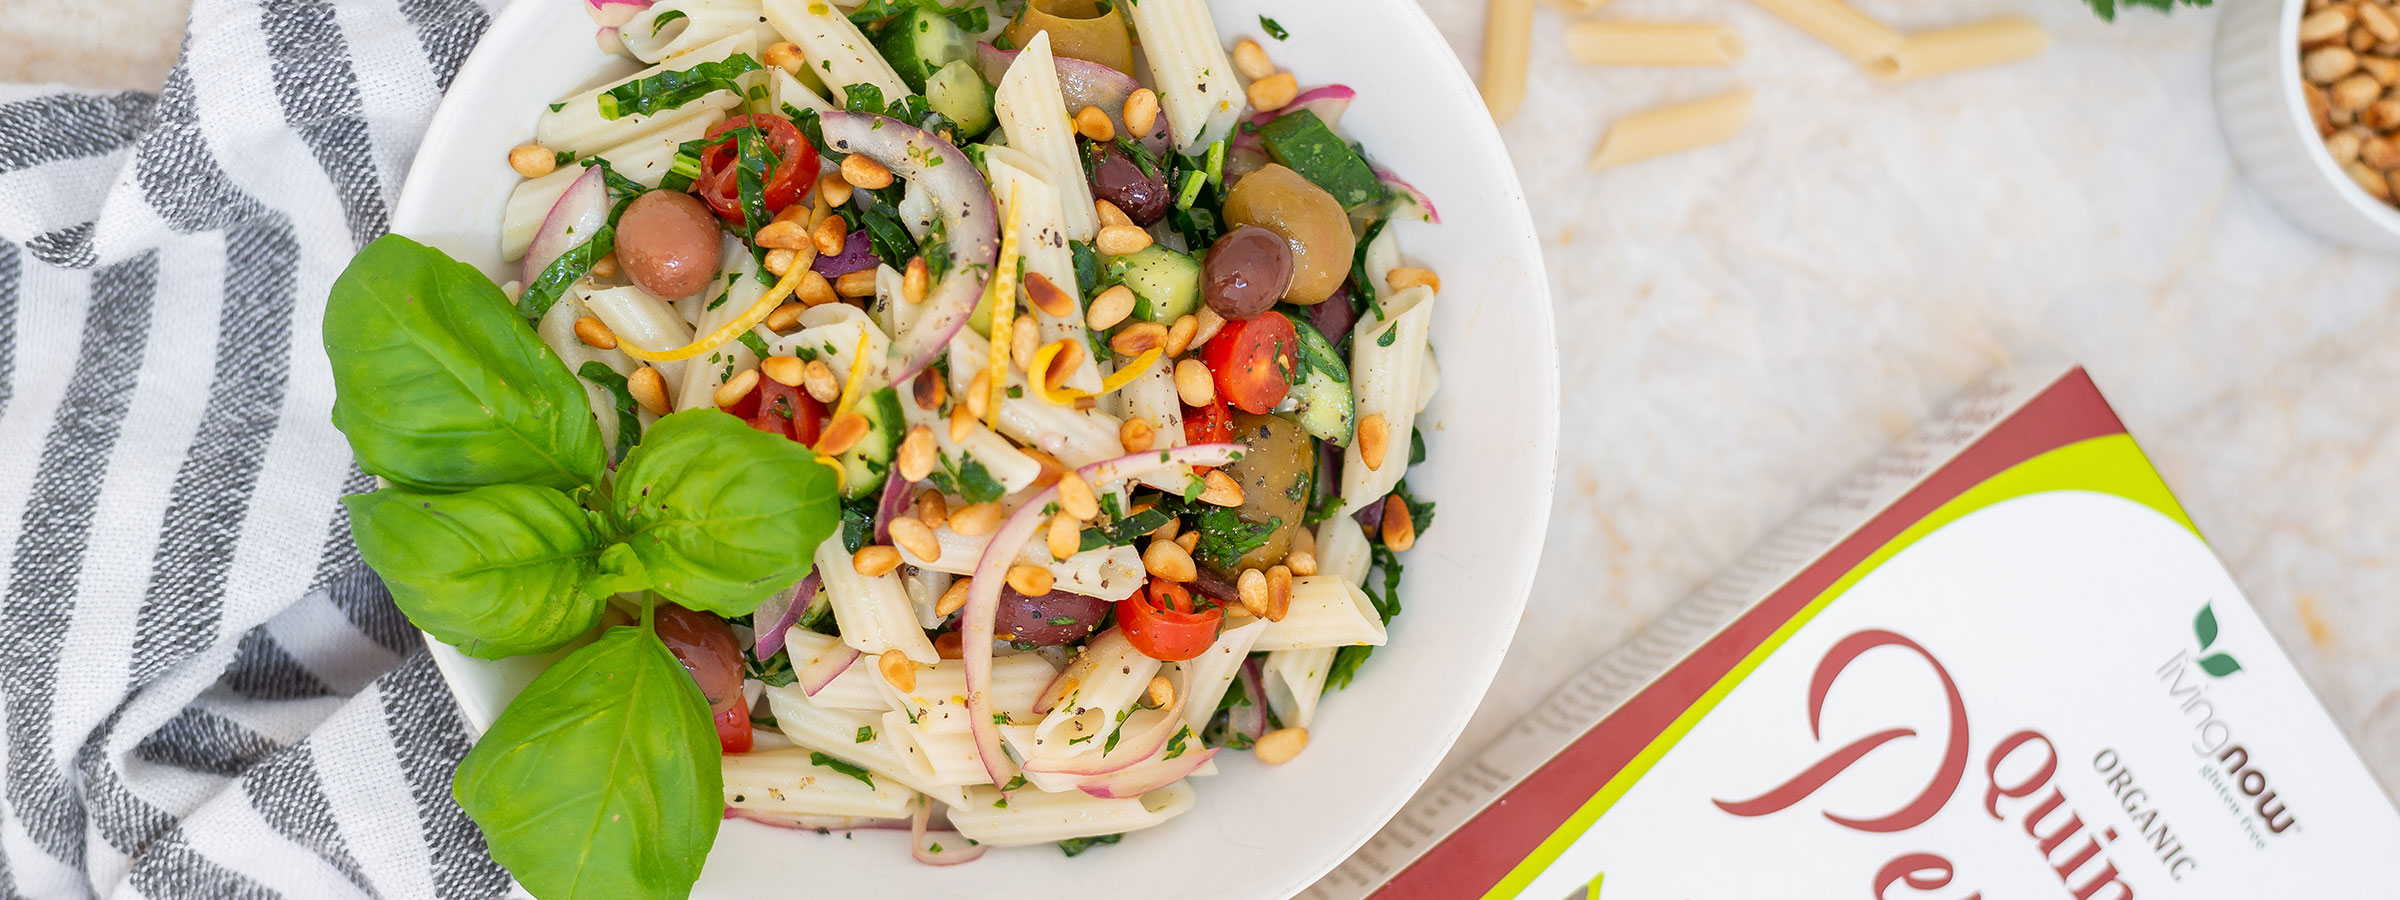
205 693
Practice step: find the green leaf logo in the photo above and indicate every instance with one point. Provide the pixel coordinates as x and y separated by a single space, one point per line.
2206 626
2219 664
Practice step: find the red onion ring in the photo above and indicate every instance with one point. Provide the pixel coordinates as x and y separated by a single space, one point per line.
786 607
858 255
947 856
817 823
969 216
1250 720
613 13
1149 775
895 503
579 212
1130 751
1410 197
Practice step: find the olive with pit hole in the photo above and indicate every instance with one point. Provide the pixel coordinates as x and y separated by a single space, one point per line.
1310 220
1246 272
667 243
1117 179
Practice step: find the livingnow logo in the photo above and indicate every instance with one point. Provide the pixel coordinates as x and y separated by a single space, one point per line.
2239 778
2204 626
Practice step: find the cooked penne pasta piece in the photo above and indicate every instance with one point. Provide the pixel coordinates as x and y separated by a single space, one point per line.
1151 397
872 610
557 331
1042 233
1202 680
846 734
1507 43
787 782
947 757
1931 53
670 27
1668 129
1326 612
1862 39
1343 551
1075 436
1653 44
831 333
1294 680
1033 114
938 701
1041 817
643 321
1196 85
1096 688
1383 382
841 53
855 688
732 293
576 126
1109 573
644 159
791 92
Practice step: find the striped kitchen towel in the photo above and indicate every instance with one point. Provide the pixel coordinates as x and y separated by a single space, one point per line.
203 692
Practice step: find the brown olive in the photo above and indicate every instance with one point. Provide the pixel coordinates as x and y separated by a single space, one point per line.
1246 272
1274 477
1279 200
1079 29
667 244
1117 179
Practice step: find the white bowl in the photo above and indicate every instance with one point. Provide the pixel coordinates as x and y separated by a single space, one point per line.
2266 121
1492 433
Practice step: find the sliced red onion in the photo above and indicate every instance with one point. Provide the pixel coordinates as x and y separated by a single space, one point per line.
1328 102
1150 775
983 597
779 612
1033 619
817 822
1131 750
1081 83
947 856
895 503
614 13
1250 720
1409 202
970 218
857 255
579 212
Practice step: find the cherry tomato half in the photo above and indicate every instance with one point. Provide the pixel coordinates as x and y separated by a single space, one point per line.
1155 626
795 171
781 409
1211 424
733 726
1254 360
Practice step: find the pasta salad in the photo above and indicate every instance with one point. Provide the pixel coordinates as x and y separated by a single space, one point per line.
972 420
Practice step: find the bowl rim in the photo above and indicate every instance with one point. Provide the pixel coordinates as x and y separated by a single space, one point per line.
2295 105
1515 569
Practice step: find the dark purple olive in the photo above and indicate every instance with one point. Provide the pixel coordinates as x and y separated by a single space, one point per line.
1247 271
1117 179
1049 620
1334 317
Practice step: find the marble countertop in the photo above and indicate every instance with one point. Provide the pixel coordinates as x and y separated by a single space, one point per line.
1742 324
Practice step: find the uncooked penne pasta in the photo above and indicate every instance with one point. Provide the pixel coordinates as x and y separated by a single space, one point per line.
1672 128
1653 44
1507 41
1950 50
1862 39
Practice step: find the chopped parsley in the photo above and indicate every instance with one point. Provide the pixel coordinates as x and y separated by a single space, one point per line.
967 478
673 14
1076 846
756 344
845 768
675 87
1274 28
865 733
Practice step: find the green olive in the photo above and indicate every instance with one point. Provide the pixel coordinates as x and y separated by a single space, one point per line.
1280 200
1079 29
1275 479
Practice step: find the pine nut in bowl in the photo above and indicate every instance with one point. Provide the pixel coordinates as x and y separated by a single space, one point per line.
1071 451
2315 124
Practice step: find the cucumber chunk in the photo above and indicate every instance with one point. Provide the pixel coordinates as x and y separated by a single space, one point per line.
1320 395
866 462
1301 142
960 95
1167 283
920 42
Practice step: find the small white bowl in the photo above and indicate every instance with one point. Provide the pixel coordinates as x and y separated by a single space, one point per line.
1259 831
2266 122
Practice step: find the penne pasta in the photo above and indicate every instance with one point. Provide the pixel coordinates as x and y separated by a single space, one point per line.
788 782
1606 43
557 331
1151 397
831 333
1202 680
839 51
858 687
1326 612
645 159
1931 53
670 27
1507 44
1383 382
1075 436
1343 551
576 126
945 758
938 701
643 321
1294 680
849 735
1862 39
1042 233
788 91
1041 817
872 610
732 294
1109 573
1668 129
1033 114
1196 85
1098 689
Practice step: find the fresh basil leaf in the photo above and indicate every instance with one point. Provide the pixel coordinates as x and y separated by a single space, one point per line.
601 779
858 521
1416 454
887 236
564 271
721 513
497 571
675 87
1274 29
1362 287
1345 665
673 14
752 163
1076 846
440 386
629 418
845 767
863 97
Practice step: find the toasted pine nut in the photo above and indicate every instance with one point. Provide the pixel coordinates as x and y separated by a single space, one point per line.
975 521
814 290
1066 536
734 389
915 280
786 317
2326 65
1141 112
830 235
1251 60
979 397
1121 240
817 378
1133 339
1032 581
855 284
1279 593
788 371
949 645
605 266
1374 440
1046 296
1094 125
961 423
1279 746
1075 497
932 508
1136 434
832 189
1210 324
797 214
1194 383
863 171
1179 335
911 535
532 160
1166 559
917 458
928 390
1168 531
1273 92
783 236
780 261
1303 562
785 55
1051 471
1222 490
875 559
842 434
954 597
903 674
1405 277
1024 340
649 390
1162 692
1109 213
1399 531
1190 541
1111 307
1251 589
594 333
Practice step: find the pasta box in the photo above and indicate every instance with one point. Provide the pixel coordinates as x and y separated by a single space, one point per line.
1995 661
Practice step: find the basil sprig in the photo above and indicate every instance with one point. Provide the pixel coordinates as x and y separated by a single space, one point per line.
629 420
675 87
